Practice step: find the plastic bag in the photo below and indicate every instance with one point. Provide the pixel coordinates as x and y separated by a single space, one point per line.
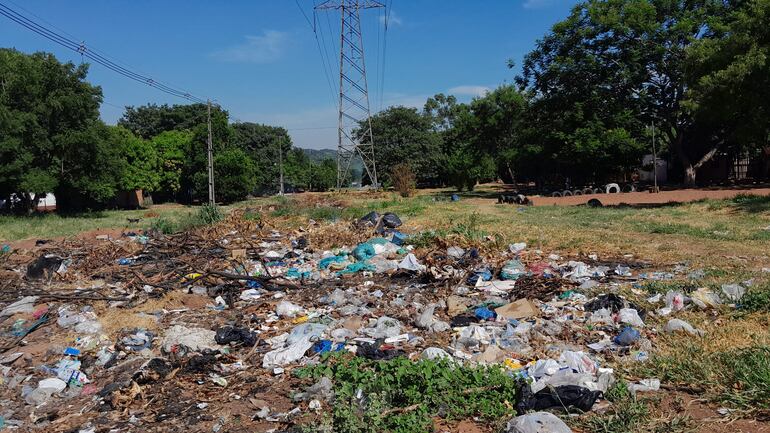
674 300
704 298
363 252
537 422
578 362
455 252
512 270
734 292
676 325
627 337
385 327
288 309
411 263
631 317
435 353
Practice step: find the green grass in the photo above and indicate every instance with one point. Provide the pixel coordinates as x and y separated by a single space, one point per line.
403 396
627 414
51 225
630 413
737 378
47 226
756 299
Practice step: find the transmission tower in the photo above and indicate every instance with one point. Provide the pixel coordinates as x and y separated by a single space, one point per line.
354 135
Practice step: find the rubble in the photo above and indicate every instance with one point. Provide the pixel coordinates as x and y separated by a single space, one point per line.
228 312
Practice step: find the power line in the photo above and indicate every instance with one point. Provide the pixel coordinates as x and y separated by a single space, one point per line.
93 55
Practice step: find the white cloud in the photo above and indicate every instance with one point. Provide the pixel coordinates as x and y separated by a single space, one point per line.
469 90
536 4
392 18
266 48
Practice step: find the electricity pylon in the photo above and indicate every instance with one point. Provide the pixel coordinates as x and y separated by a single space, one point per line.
354 114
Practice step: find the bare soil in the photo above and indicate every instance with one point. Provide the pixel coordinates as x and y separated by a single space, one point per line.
646 198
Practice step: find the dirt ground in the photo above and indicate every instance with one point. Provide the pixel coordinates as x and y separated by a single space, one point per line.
644 198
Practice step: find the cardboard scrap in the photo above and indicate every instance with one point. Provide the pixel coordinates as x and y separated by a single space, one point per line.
519 309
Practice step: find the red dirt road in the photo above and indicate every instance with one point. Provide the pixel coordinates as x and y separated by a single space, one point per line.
632 198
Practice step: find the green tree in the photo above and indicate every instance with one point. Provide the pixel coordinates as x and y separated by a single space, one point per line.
297 169
194 177
92 167
43 104
603 74
263 144
142 164
234 175
323 175
149 120
730 75
403 134
171 146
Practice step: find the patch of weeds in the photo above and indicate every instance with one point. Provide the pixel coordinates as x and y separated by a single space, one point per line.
427 238
677 424
399 395
163 225
688 364
469 228
210 214
653 287
739 378
752 203
252 215
626 414
746 378
206 215
756 299
324 213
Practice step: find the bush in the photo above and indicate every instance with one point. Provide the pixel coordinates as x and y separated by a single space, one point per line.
163 225
403 179
399 395
210 214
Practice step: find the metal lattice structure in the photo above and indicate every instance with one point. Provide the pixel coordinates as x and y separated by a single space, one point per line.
355 127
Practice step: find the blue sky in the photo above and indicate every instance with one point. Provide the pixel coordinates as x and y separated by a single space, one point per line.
260 61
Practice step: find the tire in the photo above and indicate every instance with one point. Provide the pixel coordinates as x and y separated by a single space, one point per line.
577 192
566 193
587 191
556 194
598 191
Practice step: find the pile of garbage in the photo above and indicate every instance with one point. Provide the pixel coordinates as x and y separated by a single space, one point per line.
212 324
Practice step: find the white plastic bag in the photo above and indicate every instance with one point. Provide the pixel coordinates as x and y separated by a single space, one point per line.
675 325
631 317
537 422
288 309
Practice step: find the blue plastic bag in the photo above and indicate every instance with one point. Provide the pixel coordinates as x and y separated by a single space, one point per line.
627 336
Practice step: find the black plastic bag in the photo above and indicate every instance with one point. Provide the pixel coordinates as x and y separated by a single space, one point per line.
373 351
231 334
560 397
372 218
388 221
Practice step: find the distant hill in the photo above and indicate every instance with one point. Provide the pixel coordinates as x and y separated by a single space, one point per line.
318 155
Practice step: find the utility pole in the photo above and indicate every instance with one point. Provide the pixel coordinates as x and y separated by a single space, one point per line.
654 160
354 113
280 166
212 202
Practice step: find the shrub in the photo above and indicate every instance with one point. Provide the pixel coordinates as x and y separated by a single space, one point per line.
403 179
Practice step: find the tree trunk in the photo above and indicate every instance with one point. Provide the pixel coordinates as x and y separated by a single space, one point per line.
689 175
690 169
